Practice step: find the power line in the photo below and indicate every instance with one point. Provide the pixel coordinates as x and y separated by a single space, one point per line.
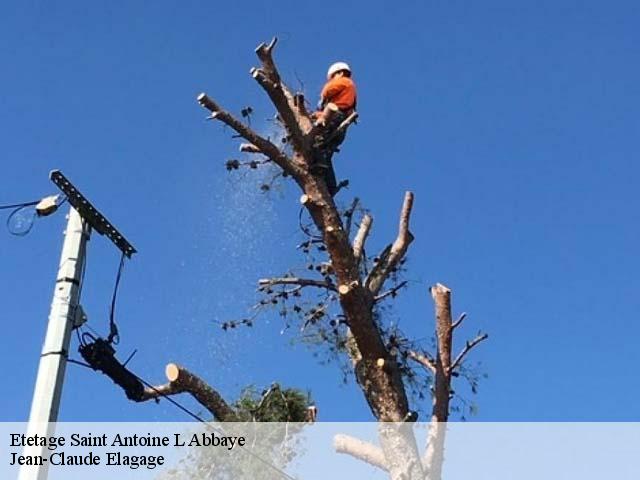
171 400
17 208
19 205
16 231
113 328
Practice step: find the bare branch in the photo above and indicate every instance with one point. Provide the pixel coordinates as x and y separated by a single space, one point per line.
264 145
398 249
391 292
348 215
423 359
183 381
302 282
467 348
361 450
361 236
460 319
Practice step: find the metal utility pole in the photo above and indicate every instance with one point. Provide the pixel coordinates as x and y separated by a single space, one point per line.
65 314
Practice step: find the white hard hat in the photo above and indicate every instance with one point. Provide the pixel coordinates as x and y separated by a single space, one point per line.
336 67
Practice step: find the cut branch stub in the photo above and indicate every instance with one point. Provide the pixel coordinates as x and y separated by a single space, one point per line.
172 371
442 388
265 54
442 299
344 289
269 79
182 380
208 103
304 199
201 391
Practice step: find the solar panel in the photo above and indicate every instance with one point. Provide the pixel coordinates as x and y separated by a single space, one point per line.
87 211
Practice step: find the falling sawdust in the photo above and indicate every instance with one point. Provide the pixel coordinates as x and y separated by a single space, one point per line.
235 242
240 229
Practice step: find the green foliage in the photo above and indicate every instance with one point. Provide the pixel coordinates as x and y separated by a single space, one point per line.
272 405
272 420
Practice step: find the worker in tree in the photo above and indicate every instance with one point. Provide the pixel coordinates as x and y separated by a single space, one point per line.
337 102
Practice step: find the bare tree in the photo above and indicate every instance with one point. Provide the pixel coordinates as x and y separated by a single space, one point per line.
381 360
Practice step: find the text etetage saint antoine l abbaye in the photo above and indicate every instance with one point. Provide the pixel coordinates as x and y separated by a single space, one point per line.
53 443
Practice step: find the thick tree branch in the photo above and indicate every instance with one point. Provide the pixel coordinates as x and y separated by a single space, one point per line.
361 237
302 282
388 262
261 143
467 348
269 79
434 455
183 381
442 299
361 450
265 54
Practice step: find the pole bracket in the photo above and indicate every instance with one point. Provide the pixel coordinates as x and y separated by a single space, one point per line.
90 213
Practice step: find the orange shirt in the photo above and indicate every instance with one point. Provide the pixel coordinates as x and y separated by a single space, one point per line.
341 91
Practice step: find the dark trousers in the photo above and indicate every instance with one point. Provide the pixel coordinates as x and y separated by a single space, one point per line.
327 143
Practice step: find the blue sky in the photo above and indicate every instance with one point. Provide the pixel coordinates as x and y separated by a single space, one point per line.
515 124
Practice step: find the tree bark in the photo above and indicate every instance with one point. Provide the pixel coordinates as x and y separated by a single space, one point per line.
182 380
434 456
384 387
